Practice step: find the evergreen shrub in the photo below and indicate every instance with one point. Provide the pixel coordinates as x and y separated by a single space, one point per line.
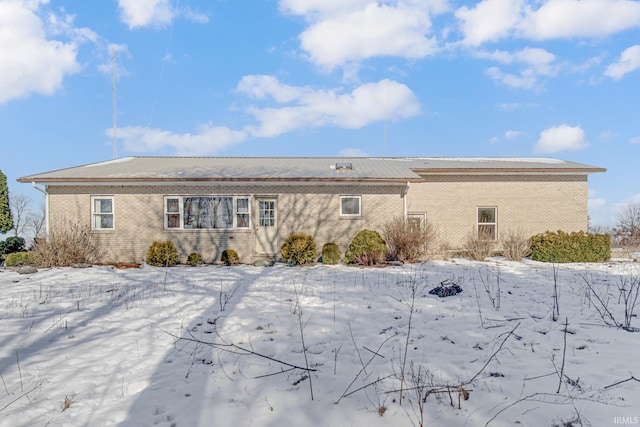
367 248
299 248
229 257
162 254
194 259
570 247
16 259
330 253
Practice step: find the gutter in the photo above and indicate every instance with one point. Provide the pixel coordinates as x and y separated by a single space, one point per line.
404 202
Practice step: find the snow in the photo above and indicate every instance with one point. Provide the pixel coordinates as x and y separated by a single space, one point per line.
213 345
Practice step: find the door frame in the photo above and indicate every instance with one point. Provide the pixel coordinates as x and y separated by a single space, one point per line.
266 237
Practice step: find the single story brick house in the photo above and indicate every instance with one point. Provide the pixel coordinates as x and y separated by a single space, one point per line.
251 205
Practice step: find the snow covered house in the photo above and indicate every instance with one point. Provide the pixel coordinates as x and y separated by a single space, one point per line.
251 205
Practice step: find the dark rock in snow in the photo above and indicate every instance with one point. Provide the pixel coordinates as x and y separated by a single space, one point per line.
446 289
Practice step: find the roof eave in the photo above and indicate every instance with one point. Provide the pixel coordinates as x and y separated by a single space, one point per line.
63 181
503 171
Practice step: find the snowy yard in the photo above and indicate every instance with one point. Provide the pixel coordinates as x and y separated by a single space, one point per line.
223 346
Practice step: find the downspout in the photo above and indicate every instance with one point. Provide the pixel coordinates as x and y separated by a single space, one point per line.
46 206
404 202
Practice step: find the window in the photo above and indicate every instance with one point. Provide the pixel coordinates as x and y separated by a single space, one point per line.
417 220
102 212
206 212
242 212
350 205
267 213
487 223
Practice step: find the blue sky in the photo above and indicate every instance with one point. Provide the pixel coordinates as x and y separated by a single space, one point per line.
524 78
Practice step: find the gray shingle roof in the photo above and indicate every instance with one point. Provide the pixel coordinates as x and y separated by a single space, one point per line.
293 168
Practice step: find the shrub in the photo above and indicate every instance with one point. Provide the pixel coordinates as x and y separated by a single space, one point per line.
330 253
68 245
570 247
407 241
162 254
516 245
627 228
229 257
478 247
21 258
11 245
194 259
367 248
299 248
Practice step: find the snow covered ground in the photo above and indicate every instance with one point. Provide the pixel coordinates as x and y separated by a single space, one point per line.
223 346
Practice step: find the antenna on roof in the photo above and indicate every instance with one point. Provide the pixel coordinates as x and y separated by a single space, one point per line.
114 69
386 117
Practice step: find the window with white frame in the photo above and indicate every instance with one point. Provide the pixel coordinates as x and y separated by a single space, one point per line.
102 213
206 212
350 205
417 220
487 223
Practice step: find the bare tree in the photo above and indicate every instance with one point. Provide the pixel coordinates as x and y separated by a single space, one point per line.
36 222
20 211
627 229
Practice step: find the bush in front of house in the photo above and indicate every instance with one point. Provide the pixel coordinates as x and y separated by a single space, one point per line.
299 248
477 246
330 253
366 248
11 245
16 259
515 244
561 246
229 257
162 254
407 241
194 259
70 244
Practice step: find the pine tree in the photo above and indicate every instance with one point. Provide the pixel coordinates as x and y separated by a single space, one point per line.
6 220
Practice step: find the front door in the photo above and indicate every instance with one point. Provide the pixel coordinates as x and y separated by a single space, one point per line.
267 226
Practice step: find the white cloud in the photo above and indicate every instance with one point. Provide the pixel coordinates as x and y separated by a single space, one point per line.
533 62
510 134
309 108
629 61
315 9
608 135
635 140
30 61
297 108
144 13
207 140
580 18
263 87
489 20
492 20
194 16
561 138
343 33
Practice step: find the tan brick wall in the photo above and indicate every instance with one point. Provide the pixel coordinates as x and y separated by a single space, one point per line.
531 203
139 210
